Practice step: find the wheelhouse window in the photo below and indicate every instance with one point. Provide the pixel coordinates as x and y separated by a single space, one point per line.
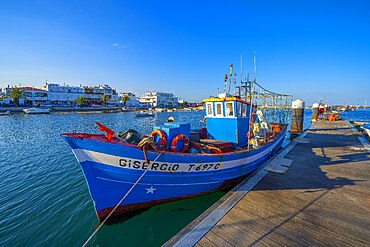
244 110
229 109
209 107
218 109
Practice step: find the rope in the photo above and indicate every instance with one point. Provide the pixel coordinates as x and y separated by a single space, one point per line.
128 192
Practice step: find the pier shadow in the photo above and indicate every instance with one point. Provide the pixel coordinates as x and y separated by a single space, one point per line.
312 158
324 164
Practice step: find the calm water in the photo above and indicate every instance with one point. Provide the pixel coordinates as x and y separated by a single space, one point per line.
358 115
43 196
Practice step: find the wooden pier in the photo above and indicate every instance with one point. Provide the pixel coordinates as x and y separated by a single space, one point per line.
322 199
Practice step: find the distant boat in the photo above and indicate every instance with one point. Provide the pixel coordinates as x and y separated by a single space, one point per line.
35 110
144 114
7 113
160 110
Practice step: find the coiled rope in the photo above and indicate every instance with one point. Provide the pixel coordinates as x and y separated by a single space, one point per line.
128 192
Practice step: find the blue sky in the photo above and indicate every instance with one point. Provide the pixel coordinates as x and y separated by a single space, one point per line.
311 49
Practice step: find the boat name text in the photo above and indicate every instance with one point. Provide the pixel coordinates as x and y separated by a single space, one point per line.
142 165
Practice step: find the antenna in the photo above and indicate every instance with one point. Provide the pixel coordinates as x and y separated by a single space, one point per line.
255 67
241 68
230 78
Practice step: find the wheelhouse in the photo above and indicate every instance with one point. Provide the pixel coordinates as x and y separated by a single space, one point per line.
228 119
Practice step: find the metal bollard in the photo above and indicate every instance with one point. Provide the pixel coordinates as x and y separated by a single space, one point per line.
315 112
297 118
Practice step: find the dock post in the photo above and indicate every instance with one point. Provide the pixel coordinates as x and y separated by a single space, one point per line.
315 112
297 118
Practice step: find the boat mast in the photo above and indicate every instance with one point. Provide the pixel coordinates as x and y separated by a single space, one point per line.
255 67
230 78
241 68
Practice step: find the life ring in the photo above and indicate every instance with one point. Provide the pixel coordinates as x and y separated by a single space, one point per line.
176 139
161 135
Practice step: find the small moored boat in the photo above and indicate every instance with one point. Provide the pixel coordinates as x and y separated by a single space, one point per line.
144 114
35 110
7 113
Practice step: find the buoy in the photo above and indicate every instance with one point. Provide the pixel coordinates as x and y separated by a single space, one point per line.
170 120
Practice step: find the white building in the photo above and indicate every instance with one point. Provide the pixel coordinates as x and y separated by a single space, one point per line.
159 99
131 101
29 95
34 95
6 90
94 94
63 93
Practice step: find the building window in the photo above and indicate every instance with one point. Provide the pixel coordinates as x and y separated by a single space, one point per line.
219 109
27 94
229 109
209 109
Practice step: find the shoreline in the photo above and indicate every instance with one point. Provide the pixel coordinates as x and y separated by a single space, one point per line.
102 109
65 109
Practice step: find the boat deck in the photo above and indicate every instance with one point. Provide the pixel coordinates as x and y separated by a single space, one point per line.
323 199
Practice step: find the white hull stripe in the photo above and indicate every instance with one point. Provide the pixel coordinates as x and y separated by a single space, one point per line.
161 184
136 164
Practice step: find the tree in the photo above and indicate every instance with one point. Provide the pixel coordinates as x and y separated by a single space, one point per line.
80 100
124 99
104 99
16 94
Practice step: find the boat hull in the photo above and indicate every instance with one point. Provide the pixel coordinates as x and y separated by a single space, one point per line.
36 111
111 169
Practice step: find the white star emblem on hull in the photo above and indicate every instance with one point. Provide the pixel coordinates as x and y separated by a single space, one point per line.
150 190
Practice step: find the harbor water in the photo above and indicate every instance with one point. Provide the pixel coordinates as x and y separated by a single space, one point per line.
44 200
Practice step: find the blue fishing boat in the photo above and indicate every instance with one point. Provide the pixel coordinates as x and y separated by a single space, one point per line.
178 163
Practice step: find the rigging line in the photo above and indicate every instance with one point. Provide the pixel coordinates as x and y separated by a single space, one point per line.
270 92
250 111
128 192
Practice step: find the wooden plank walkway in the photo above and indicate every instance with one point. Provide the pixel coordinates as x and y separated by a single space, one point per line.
323 199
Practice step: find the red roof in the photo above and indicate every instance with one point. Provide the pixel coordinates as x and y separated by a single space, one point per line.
31 88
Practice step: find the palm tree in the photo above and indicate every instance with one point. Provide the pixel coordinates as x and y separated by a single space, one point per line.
16 94
104 99
124 99
80 100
